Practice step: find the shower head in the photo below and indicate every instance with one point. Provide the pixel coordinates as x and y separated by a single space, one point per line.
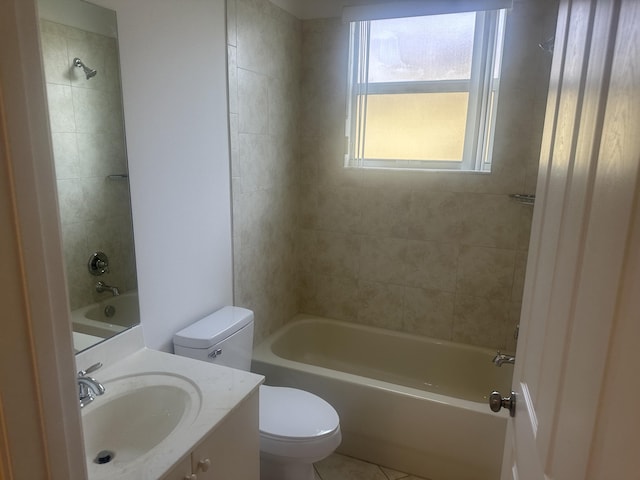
89 72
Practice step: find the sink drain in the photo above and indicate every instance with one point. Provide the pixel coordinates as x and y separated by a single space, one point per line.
105 456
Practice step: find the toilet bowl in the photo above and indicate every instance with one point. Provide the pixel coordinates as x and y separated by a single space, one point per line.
297 428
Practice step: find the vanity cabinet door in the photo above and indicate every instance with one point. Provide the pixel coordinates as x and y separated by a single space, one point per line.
233 449
182 471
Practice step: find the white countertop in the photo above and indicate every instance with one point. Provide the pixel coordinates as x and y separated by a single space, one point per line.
221 388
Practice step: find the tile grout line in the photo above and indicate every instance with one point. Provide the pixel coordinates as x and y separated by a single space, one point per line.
387 476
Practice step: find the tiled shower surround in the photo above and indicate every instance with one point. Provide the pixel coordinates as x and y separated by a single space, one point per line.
88 145
440 254
264 51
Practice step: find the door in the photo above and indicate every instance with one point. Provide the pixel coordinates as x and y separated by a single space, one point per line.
578 300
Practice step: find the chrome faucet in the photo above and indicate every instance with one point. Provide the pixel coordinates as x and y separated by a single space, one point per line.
89 387
501 358
103 287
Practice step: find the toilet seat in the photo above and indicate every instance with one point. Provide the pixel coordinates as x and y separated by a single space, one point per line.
297 424
290 414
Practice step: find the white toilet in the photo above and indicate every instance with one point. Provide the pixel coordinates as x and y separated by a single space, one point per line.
297 428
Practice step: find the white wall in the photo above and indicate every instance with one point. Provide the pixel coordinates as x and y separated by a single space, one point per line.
79 14
173 60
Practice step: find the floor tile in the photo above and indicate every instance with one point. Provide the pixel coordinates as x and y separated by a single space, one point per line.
393 474
340 467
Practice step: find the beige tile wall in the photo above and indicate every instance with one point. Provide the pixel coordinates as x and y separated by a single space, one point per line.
264 48
438 254
88 144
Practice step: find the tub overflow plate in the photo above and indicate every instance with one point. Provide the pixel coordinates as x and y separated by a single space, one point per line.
104 456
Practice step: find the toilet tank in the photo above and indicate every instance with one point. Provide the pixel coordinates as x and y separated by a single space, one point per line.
224 337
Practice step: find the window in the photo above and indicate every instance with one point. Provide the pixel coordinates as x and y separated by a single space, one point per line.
424 90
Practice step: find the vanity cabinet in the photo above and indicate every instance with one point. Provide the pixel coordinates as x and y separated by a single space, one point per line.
232 450
181 471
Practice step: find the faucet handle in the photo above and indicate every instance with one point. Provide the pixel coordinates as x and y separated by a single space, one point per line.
92 368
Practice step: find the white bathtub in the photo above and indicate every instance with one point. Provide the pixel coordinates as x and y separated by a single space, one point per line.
93 319
406 402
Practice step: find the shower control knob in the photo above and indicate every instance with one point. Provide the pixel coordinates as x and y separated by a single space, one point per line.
497 401
98 263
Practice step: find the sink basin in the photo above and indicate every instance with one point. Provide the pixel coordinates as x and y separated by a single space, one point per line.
156 408
135 415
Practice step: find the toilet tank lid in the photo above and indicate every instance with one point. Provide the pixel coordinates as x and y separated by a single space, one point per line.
213 328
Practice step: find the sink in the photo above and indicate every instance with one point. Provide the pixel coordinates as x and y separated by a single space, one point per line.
156 408
135 415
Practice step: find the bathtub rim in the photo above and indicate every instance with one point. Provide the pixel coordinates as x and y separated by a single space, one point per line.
80 323
264 353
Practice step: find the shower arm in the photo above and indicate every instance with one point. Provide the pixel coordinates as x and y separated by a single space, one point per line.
89 72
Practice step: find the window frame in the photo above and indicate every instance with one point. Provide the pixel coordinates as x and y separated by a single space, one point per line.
482 87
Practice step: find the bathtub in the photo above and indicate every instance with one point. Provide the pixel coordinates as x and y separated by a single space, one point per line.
108 317
410 403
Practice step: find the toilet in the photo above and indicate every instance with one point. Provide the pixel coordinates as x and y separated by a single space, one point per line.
297 428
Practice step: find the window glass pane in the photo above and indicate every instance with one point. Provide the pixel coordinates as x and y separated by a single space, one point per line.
421 126
436 47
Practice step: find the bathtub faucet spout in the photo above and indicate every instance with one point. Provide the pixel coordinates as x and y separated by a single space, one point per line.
103 287
501 358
